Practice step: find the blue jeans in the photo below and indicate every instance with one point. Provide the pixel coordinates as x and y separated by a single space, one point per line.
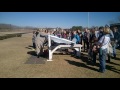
102 60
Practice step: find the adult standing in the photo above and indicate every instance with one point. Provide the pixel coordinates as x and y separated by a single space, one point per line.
40 39
103 43
33 39
116 39
86 38
111 35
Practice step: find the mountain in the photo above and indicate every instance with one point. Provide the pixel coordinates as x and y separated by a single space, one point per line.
13 27
8 26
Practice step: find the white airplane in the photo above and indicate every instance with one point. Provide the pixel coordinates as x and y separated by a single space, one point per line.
69 44
61 40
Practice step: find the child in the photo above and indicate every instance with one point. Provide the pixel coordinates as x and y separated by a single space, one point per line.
93 51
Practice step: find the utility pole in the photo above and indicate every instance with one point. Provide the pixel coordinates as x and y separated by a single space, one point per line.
88 19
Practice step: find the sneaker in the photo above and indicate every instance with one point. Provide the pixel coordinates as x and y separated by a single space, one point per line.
93 63
114 56
101 71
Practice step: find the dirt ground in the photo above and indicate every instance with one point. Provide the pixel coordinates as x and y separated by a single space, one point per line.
14 54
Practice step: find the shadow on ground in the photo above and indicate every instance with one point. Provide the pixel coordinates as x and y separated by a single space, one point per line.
84 58
114 63
115 58
112 68
29 47
33 53
78 64
34 59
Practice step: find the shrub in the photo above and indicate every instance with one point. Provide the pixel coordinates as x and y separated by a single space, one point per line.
10 36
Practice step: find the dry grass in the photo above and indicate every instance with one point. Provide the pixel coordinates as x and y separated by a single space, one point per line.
3 33
15 31
13 55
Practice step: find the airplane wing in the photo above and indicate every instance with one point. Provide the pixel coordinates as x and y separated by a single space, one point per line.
61 40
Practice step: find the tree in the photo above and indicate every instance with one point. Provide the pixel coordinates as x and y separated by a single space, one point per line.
77 27
111 22
117 20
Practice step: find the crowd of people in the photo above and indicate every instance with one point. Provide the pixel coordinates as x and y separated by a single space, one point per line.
100 41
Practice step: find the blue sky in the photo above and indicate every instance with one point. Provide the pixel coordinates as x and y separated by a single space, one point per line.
58 19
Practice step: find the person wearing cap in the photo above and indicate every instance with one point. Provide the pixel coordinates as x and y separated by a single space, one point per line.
111 35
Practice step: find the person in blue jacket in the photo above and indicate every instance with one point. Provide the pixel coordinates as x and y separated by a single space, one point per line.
76 39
